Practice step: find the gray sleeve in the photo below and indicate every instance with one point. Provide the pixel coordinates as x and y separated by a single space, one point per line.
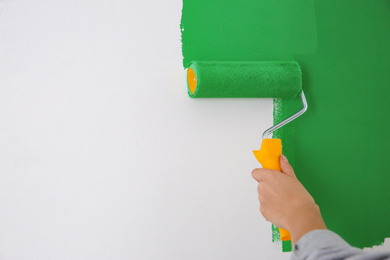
327 245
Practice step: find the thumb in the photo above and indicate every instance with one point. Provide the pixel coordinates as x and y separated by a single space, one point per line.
285 166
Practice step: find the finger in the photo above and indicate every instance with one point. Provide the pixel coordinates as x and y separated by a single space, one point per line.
259 174
285 166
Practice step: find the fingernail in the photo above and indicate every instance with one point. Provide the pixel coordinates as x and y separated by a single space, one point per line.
284 158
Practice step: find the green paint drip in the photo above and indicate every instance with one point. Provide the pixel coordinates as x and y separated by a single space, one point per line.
339 148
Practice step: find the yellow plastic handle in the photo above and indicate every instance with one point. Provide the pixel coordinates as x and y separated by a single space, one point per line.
269 156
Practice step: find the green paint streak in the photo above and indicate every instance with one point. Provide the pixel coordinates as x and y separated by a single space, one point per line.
282 110
286 245
339 148
275 234
247 30
342 143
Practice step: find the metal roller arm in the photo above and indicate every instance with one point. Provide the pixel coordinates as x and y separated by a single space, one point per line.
270 130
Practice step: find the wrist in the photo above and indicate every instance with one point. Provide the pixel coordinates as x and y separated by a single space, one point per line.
304 220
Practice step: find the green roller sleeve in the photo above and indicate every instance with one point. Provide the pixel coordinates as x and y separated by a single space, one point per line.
244 79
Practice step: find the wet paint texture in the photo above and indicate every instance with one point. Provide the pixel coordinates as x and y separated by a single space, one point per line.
340 147
246 30
246 79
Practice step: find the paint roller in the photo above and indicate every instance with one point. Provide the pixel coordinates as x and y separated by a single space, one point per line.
251 79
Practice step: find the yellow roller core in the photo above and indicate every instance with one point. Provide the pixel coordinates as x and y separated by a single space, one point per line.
191 78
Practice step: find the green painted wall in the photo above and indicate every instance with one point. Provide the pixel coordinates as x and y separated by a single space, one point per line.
339 148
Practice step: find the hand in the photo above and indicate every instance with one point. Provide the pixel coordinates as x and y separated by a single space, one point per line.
285 202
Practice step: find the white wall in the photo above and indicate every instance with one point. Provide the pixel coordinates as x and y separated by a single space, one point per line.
102 153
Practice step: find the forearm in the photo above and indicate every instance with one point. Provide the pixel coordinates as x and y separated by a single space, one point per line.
325 244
